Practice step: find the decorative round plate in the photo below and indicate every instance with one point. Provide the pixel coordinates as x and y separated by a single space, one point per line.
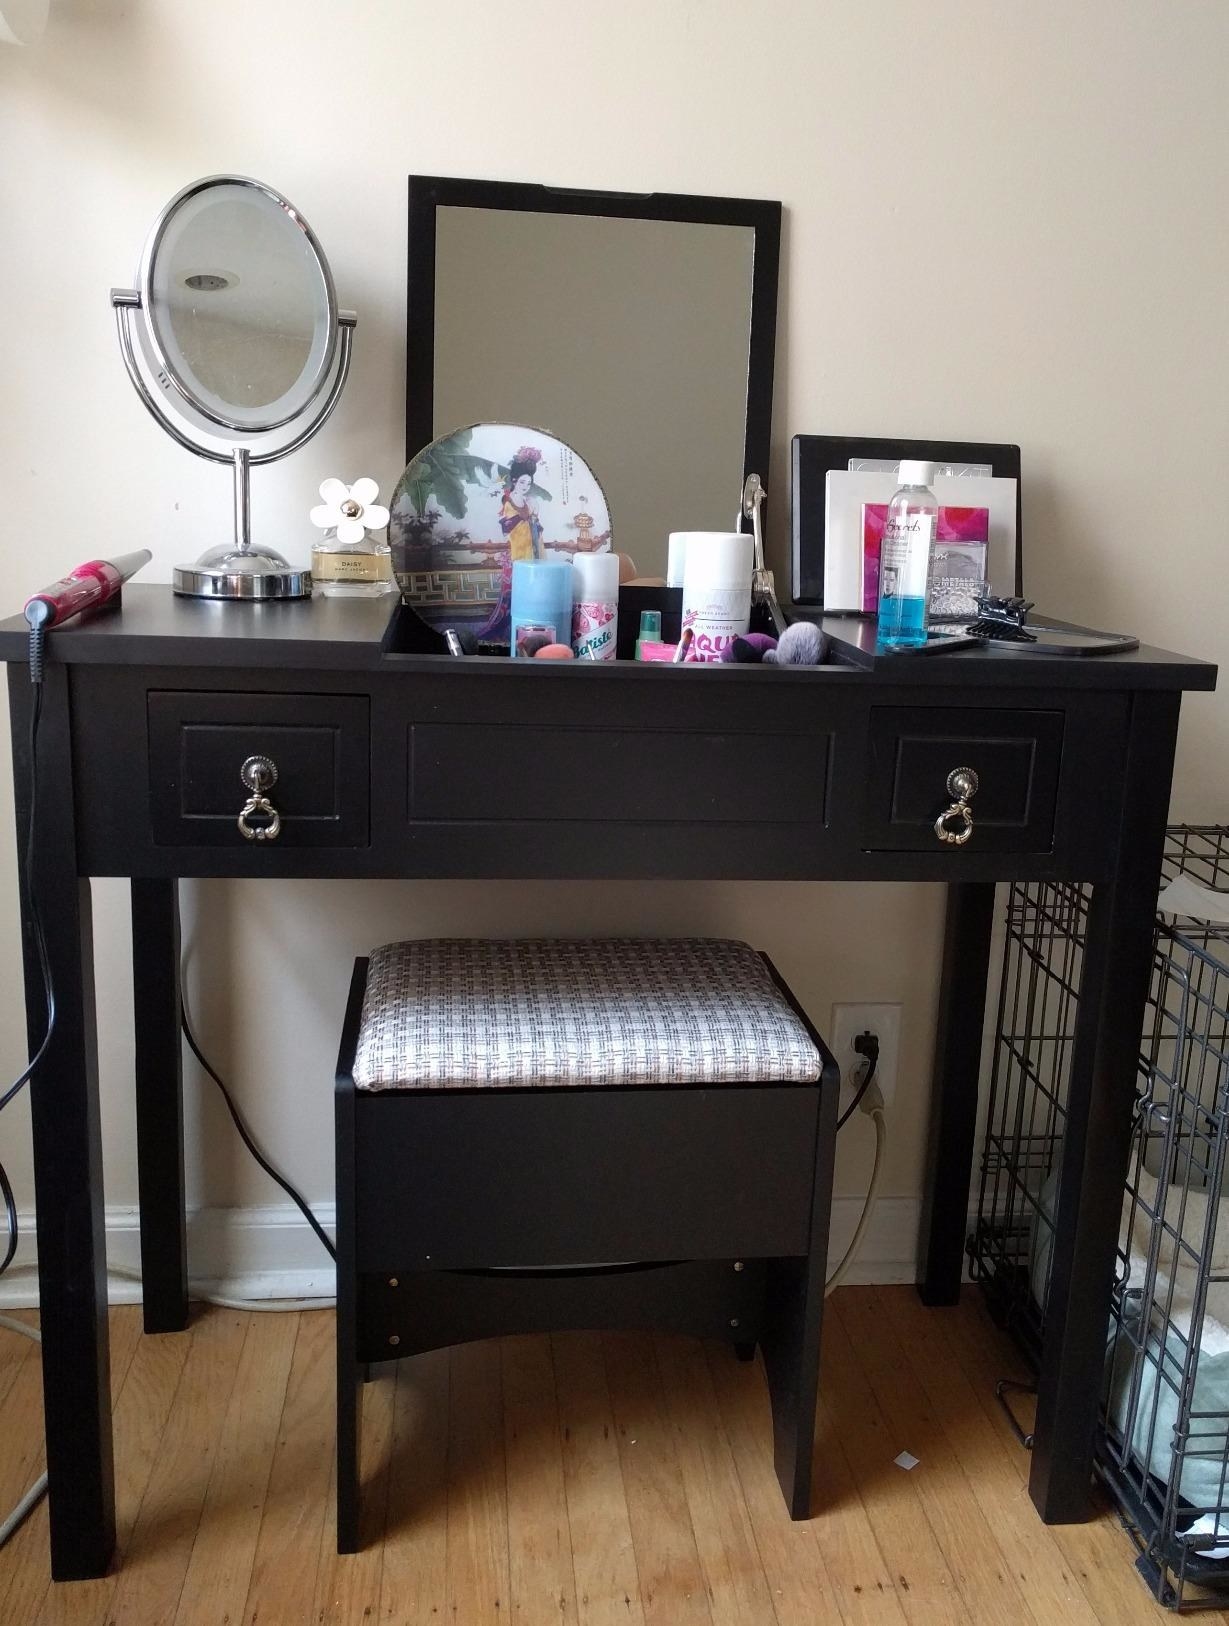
476 500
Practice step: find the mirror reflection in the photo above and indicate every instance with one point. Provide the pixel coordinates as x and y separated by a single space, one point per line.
627 338
241 306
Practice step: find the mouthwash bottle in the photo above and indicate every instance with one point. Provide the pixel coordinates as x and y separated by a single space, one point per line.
904 558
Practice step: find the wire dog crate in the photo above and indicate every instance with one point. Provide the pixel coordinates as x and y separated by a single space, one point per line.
1163 1439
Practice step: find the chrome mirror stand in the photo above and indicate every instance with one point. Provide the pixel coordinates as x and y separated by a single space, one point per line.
235 570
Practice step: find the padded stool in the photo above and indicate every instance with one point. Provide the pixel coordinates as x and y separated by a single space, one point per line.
614 1133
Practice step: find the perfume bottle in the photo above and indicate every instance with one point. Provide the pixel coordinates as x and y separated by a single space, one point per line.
352 569
349 561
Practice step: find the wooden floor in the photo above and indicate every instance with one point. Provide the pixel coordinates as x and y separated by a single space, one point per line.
569 1481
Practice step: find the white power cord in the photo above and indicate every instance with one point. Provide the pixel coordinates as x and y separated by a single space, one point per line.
871 1103
121 1273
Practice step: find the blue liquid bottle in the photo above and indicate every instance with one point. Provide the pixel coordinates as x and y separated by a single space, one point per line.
904 558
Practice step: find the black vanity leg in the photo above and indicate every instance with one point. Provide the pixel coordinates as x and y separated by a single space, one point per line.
794 1323
1101 1094
67 1146
159 1095
953 1102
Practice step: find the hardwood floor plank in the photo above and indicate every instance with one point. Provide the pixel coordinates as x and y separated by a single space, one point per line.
578 1481
734 1576
672 1589
987 1583
925 1586
27 1551
157 1557
220 1569
791 1550
141 1415
348 1584
283 1579
864 1585
14 1349
25 1567
477 1488
541 1584
413 1581
603 1559
1098 1553
1028 1546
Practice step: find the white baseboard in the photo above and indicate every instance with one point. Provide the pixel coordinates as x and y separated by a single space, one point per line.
270 1252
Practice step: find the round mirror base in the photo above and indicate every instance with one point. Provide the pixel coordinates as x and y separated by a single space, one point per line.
236 573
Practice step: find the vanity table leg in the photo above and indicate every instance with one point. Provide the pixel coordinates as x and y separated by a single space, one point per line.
67 1145
953 1105
1118 952
159 1099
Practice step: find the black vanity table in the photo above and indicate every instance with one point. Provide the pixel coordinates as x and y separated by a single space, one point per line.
396 763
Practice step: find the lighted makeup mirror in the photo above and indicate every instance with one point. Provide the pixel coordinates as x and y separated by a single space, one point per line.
239 341
638 328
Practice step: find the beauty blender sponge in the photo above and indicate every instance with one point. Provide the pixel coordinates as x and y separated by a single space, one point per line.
553 652
750 649
801 644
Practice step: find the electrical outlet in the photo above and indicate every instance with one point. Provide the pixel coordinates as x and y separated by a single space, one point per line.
848 1021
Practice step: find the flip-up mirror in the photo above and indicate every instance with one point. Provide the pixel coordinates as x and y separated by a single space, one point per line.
638 329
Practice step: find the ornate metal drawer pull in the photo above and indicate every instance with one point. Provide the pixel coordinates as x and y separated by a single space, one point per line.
962 784
259 774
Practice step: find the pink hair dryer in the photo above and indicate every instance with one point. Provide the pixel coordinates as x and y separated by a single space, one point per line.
91 584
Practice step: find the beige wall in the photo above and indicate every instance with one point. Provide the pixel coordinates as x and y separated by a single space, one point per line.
1063 169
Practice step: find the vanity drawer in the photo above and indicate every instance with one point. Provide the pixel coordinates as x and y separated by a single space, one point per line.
1015 755
319 745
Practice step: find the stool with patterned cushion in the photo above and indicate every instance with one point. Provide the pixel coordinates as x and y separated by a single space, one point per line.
608 1133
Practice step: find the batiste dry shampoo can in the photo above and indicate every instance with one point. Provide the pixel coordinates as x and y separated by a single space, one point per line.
595 605
716 589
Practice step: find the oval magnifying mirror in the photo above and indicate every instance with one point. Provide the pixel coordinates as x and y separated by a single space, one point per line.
239 335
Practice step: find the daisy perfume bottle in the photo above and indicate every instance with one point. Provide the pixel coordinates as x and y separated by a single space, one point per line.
349 561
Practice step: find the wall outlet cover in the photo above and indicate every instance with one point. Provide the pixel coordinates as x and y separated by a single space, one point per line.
848 1021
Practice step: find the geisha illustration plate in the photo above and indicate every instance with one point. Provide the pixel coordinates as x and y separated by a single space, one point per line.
478 499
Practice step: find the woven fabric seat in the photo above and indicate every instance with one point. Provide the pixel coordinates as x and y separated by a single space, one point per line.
458 1013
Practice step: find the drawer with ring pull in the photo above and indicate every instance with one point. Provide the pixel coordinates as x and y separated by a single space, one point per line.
962 778
258 770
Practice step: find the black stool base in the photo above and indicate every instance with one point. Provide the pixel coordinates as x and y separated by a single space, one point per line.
437 1188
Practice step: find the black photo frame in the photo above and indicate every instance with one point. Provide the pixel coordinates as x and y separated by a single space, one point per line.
812 456
429 193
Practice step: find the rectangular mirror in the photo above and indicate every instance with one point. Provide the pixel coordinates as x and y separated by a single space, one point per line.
639 329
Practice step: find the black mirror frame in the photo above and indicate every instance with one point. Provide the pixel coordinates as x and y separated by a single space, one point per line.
428 193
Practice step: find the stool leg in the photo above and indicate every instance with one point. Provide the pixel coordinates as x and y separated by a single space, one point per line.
349 1426
793 1324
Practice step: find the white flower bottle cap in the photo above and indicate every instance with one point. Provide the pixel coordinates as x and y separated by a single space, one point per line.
351 511
914 472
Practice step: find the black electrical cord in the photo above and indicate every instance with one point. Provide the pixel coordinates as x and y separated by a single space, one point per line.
866 1044
36 926
246 1138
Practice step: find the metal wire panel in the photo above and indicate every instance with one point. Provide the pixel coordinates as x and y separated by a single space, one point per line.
1163 1444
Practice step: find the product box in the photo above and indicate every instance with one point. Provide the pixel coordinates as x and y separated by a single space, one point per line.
957 568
